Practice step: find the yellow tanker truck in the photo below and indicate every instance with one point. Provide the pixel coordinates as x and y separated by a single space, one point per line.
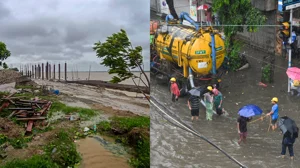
189 54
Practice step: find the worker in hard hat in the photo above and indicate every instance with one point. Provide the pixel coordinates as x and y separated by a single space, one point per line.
209 101
274 113
174 89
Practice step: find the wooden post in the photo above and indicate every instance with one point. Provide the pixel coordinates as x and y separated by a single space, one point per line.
35 71
49 71
42 71
59 72
32 70
54 71
65 71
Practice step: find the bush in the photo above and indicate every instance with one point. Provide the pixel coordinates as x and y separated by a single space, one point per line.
3 139
20 143
37 161
127 123
62 151
104 126
142 159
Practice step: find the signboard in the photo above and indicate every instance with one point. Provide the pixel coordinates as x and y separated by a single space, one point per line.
290 4
200 52
202 65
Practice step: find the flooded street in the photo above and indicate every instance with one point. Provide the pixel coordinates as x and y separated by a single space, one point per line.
172 146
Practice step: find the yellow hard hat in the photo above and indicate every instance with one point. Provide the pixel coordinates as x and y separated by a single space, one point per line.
173 79
209 88
275 99
219 80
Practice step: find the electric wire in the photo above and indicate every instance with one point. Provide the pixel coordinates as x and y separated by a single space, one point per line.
185 6
182 125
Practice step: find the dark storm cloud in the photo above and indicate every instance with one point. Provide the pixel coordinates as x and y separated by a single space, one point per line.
66 30
4 11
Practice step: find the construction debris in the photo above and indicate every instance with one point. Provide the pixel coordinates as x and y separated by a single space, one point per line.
26 110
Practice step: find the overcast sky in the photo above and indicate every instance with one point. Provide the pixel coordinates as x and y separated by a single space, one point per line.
66 30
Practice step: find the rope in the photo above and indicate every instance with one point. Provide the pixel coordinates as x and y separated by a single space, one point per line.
260 118
191 130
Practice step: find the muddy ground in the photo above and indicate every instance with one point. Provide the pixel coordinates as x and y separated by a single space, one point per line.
174 147
109 101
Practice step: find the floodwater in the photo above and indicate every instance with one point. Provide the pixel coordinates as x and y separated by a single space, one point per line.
95 154
172 146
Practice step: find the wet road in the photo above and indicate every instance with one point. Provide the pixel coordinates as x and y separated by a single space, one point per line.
174 147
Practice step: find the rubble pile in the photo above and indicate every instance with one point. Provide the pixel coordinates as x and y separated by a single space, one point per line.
8 76
26 110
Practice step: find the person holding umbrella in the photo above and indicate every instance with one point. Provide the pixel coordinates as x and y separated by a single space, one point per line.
194 103
208 98
174 89
245 115
290 132
274 113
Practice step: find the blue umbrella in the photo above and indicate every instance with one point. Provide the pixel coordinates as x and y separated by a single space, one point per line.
250 110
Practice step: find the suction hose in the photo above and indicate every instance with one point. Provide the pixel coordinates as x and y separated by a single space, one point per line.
191 78
185 16
169 17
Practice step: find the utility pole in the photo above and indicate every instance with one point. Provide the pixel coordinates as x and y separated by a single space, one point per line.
290 50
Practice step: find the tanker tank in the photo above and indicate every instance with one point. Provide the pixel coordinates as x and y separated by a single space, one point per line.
189 48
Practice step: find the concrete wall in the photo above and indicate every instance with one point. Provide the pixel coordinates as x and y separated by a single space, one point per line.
265 37
265 5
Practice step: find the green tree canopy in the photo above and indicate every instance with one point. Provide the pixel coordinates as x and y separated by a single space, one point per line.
5 65
118 54
4 53
237 12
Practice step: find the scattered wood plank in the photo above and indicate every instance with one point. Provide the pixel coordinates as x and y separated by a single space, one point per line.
28 119
12 114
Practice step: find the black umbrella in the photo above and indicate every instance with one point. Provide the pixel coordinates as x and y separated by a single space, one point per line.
288 127
195 92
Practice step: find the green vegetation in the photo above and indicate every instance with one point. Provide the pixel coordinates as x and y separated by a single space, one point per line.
38 161
83 112
3 139
17 143
121 57
59 153
126 124
266 73
4 52
5 66
238 12
133 132
63 150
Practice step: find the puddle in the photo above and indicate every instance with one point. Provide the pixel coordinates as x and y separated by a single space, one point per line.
95 153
